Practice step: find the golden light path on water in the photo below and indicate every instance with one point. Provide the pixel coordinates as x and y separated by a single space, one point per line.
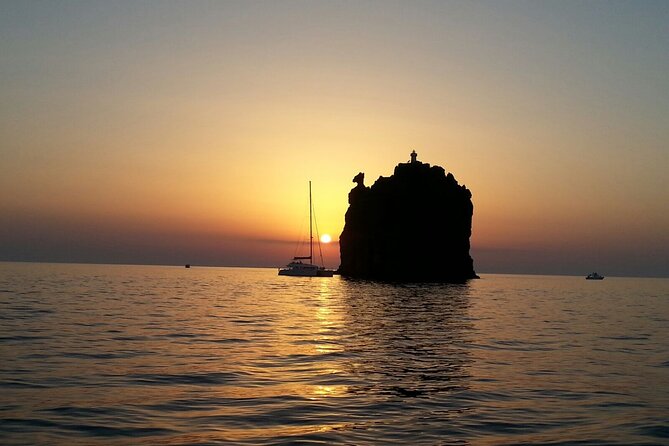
328 321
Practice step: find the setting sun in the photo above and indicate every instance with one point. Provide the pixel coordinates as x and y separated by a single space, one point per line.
325 238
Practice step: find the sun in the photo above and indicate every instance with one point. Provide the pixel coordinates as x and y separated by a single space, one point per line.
325 238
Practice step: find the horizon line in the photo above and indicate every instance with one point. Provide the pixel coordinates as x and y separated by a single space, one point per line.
192 265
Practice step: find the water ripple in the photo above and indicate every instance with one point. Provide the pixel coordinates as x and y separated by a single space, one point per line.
157 355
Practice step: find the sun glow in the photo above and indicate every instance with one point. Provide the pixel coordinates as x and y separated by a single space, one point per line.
325 238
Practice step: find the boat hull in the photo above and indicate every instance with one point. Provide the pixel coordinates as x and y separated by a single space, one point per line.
297 273
297 269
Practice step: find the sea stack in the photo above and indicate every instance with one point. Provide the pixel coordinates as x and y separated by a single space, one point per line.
413 226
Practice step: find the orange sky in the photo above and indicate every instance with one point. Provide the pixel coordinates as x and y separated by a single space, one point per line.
191 131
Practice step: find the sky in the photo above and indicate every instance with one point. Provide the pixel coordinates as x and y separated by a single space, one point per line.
175 132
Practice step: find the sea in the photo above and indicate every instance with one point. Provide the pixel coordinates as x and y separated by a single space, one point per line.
159 355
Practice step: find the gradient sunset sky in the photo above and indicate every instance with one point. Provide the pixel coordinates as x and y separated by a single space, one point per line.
186 132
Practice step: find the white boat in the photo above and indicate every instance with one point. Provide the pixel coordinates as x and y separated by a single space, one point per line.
298 268
594 276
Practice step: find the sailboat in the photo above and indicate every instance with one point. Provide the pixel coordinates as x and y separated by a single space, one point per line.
299 268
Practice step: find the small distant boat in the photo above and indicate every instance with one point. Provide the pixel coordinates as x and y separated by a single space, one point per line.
594 276
298 268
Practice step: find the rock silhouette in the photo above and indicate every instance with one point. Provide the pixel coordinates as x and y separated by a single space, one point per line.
413 226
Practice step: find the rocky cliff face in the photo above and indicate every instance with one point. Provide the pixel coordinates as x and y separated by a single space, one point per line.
412 226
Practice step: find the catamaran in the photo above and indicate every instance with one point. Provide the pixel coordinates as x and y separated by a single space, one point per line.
299 268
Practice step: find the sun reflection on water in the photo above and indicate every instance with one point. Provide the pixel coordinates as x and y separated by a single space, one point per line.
327 319
329 391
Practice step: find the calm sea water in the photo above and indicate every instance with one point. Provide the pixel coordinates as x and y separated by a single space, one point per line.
166 355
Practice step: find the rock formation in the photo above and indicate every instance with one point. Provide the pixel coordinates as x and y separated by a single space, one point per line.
413 226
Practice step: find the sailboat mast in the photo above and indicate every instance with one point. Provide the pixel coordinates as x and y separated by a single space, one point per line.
311 235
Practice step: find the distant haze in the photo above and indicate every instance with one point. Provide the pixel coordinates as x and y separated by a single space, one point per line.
186 132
